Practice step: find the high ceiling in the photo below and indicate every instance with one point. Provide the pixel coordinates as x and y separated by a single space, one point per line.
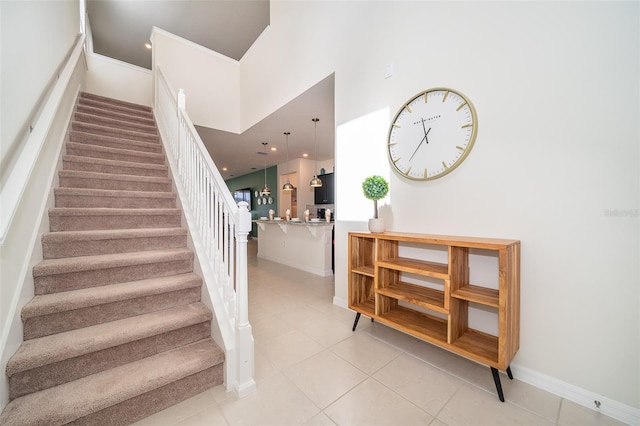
120 29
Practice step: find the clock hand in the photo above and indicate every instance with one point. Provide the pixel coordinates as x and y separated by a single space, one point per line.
421 140
426 133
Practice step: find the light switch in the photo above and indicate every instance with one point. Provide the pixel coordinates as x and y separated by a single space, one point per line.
388 71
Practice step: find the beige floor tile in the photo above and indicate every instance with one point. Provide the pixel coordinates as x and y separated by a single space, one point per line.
211 416
263 367
268 327
326 306
301 316
276 401
181 411
447 361
544 404
391 336
572 414
473 406
289 348
330 332
371 403
365 352
320 419
311 377
419 382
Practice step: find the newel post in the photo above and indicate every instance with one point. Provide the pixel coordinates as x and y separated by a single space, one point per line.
245 383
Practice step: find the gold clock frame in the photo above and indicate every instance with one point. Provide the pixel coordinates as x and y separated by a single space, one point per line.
472 138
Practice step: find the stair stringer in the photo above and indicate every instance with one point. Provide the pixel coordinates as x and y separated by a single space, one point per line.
223 325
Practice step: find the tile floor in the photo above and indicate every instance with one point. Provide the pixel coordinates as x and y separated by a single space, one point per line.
311 369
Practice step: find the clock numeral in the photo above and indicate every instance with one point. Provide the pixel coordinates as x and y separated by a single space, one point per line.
467 125
425 173
392 143
445 96
396 160
408 109
462 105
408 170
445 165
396 125
461 148
426 98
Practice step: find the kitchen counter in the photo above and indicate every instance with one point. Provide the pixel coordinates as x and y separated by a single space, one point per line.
303 245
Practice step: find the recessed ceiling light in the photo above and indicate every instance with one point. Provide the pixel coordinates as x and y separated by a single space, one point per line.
274 148
224 169
147 45
305 155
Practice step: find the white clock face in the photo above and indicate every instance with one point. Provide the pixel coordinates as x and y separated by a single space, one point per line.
432 134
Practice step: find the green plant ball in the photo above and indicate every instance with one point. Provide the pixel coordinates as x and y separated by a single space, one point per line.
375 187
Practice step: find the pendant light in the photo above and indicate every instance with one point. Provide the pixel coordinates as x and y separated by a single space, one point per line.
265 190
287 186
315 182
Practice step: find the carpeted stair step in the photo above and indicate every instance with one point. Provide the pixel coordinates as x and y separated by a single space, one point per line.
96 151
122 116
114 131
69 310
60 358
114 142
56 245
116 167
144 387
89 197
95 180
83 219
104 119
115 105
55 275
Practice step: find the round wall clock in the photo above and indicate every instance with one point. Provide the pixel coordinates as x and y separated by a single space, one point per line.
432 134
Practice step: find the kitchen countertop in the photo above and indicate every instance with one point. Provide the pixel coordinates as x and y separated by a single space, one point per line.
292 222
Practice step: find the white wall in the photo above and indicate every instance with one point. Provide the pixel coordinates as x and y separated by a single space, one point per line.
186 65
120 80
35 38
555 162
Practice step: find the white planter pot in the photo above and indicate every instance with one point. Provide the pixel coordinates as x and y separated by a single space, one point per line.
376 225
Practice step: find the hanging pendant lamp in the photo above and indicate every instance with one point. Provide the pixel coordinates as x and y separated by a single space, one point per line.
265 190
316 182
287 186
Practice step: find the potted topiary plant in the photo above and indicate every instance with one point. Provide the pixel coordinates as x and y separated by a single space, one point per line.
375 188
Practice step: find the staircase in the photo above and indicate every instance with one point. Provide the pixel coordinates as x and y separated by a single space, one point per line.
116 331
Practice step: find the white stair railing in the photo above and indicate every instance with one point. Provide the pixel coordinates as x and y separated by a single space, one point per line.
218 228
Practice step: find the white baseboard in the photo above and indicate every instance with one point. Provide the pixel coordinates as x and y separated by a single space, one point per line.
608 407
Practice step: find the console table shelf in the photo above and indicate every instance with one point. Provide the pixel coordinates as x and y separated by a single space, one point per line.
419 294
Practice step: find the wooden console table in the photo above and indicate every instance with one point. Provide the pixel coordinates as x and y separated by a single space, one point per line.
388 286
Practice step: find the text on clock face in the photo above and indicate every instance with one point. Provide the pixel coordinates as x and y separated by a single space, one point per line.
428 119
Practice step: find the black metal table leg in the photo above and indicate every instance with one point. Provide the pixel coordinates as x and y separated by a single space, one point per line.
355 323
509 372
496 379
